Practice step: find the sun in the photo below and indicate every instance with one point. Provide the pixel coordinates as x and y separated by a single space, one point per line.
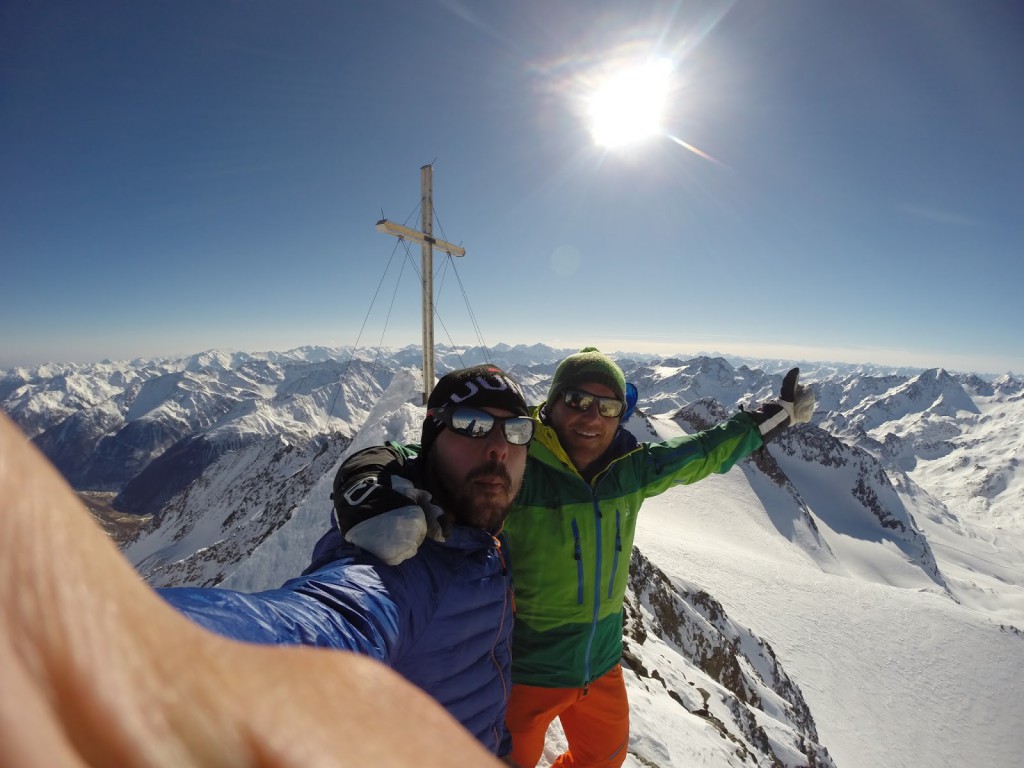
628 106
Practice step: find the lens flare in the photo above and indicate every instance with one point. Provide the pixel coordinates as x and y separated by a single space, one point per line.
693 149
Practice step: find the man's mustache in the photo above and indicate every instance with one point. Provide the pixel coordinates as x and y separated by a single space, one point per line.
491 469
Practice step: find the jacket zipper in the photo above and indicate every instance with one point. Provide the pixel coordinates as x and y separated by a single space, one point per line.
597 593
578 554
618 549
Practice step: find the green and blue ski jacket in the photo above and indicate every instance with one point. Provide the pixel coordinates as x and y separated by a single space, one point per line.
570 542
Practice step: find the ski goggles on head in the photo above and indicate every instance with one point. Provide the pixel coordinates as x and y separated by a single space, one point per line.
578 400
472 422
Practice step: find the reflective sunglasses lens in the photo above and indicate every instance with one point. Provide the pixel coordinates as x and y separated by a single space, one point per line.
470 422
577 400
609 407
518 430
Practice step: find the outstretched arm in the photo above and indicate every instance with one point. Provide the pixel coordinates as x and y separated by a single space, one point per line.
97 670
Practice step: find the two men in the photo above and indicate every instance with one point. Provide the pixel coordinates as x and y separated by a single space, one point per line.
98 671
570 536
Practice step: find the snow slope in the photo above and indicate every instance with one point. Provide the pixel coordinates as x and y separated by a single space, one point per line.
895 677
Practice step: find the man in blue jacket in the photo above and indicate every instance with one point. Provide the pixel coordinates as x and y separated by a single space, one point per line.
442 618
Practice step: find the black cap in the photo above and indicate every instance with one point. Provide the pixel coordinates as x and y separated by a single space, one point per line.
482 386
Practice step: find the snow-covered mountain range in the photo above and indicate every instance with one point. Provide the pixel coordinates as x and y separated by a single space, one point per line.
753 618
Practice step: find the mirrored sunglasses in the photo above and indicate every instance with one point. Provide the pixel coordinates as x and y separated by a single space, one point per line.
578 400
472 422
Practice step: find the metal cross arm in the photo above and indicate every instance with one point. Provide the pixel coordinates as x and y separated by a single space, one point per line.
413 235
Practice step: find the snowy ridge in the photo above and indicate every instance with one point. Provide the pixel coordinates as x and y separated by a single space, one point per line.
280 557
205 531
851 497
679 642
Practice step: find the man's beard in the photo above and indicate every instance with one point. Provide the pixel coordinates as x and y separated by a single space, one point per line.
482 505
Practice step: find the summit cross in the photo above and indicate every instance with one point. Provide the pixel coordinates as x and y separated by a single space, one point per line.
427 244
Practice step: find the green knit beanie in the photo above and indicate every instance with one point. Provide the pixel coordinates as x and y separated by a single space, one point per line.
588 366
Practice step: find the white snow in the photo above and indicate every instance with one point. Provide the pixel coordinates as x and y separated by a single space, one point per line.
894 677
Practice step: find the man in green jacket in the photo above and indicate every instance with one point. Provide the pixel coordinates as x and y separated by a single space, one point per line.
570 534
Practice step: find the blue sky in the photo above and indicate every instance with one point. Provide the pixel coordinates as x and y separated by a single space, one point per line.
180 176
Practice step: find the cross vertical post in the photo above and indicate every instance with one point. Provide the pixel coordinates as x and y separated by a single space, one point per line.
427 244
427 249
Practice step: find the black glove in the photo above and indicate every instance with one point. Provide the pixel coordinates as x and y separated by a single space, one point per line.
381 511
794 406
394 535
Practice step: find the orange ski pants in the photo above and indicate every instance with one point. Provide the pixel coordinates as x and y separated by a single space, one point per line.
596 722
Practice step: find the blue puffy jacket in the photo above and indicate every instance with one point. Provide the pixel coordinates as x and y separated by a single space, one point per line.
442 619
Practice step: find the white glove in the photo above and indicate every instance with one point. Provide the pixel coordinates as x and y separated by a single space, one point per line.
796 399
437 523
396 534
794 406
393 536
